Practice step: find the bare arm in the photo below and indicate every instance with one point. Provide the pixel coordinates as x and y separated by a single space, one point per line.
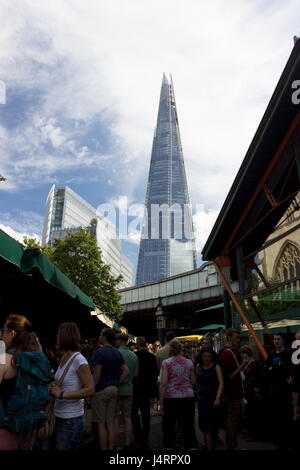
238 370
163 386
97 373
87 390
158 363
221 383
7 370
2 371
125 373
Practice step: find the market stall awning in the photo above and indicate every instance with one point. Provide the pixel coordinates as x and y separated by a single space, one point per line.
278 325
288 294
33 286
10 249
210 328
268 178
109 322
189 338
213 307
34 259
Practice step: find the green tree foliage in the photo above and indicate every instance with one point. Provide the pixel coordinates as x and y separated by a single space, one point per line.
2 178
33 243
79 258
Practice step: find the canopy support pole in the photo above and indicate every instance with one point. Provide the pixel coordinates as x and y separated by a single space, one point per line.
255 337
257 311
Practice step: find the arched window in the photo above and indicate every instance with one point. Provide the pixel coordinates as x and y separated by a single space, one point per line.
288 263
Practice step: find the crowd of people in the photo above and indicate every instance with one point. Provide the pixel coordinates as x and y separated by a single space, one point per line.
112 380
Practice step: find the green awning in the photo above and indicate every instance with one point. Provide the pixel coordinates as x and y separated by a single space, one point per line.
32 259
213 307
277 325
10 249
290 313
285 295
210 327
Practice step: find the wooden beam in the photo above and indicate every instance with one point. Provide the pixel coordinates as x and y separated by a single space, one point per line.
257 311
276 158
241 312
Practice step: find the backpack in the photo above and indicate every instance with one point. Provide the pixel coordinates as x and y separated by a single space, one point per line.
25 409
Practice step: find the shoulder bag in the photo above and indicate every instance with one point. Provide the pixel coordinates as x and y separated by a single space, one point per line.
47 430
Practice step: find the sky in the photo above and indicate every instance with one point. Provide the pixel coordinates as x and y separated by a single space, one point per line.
81 85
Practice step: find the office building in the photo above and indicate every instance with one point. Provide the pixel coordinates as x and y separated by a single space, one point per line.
167 245
66 211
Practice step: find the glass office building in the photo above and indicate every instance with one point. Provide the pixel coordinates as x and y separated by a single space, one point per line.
66 211
167 246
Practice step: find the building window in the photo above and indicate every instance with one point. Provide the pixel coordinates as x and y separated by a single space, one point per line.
288 264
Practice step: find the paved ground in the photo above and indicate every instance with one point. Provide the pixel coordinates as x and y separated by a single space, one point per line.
156 440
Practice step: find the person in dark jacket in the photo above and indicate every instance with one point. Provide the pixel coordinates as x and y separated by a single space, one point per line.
144 388
279 393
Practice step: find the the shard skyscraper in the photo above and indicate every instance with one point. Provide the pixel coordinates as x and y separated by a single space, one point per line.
167 246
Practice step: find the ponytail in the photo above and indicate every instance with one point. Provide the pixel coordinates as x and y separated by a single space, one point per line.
25 339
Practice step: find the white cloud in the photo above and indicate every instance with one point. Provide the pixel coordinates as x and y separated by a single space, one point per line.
50 132
99 62
18 223
33 154
19 236
203 222
134 237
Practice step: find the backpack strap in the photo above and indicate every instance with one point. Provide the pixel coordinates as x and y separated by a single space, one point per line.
237 362
242 375
60 382
11 351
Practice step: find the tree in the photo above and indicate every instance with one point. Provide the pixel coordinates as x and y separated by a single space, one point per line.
93 222
79 258
2 178
33 243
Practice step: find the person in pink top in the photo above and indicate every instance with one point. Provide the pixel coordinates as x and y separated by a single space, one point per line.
177 402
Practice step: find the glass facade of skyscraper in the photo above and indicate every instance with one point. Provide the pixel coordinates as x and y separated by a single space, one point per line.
167 246
66 211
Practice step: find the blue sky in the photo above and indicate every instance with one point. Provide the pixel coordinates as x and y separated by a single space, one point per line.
82 88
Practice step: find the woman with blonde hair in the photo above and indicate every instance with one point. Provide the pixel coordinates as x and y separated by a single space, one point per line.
177 401
18 420
77 384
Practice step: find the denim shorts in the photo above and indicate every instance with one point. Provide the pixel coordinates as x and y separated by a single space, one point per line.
68 433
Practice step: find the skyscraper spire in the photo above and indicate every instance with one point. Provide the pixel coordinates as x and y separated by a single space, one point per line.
167 246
